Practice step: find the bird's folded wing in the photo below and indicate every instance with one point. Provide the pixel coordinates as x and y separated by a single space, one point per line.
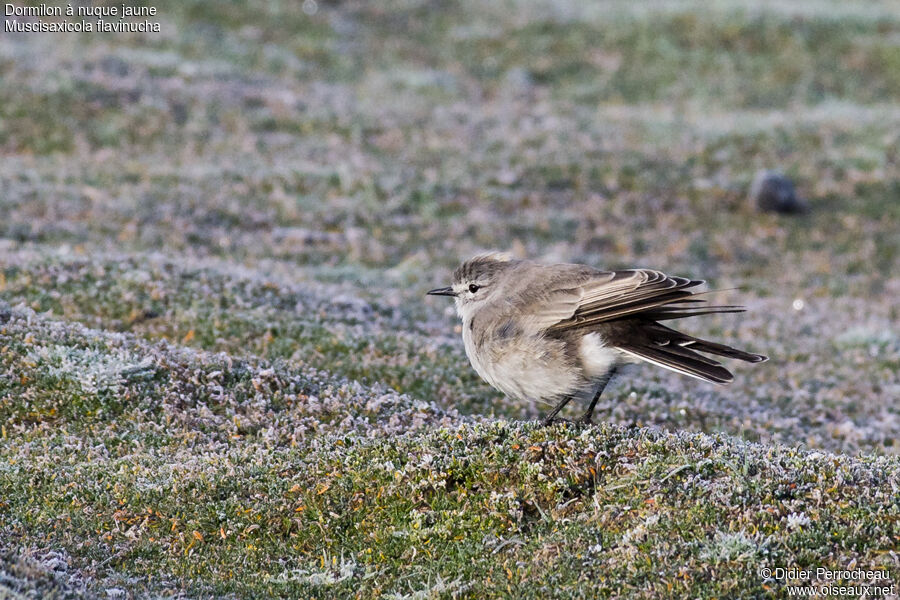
616 294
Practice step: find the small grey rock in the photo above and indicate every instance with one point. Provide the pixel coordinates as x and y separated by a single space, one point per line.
771 191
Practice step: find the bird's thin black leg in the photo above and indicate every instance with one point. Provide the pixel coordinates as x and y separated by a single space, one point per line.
551 416
586 417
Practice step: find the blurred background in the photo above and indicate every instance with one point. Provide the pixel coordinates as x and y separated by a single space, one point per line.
286 179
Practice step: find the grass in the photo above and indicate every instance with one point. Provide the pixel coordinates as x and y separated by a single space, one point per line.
219 376
345 485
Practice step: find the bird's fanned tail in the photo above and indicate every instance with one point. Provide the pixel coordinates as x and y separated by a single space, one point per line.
680 352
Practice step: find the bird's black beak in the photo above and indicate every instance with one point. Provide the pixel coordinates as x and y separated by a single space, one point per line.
447 291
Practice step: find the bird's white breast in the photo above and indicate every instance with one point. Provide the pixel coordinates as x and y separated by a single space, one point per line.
523 367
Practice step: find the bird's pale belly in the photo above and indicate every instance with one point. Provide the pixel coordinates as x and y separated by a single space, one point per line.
526 369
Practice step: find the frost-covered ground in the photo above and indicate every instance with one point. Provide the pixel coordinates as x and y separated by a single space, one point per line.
219 375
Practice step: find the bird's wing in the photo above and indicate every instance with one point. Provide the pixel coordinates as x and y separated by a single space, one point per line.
643 296
547 295
614 294
553 306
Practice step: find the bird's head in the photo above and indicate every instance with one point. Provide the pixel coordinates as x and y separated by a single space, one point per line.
476 281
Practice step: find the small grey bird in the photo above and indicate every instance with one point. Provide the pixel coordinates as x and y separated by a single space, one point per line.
556 332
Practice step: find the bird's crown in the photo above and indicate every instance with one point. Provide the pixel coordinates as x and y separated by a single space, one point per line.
481 265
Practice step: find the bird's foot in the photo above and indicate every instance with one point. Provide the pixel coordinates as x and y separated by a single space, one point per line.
552 420
586 420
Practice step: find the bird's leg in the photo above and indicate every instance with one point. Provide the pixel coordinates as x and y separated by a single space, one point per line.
586 417
551 416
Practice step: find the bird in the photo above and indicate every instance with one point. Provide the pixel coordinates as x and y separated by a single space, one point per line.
552 333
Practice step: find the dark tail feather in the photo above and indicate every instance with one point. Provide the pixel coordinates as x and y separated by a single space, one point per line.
669 312
682 361
680 352
667 336
728 351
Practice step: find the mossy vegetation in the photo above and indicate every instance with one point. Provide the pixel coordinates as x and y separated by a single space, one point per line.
254 478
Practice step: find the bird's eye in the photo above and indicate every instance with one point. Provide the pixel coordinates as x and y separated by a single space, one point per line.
473 288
